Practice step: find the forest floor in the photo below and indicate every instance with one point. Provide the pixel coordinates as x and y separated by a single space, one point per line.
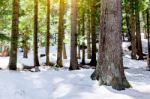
54 83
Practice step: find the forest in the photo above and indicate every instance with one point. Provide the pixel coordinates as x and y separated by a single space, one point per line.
74 49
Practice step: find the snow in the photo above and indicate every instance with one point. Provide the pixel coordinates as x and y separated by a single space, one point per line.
53 83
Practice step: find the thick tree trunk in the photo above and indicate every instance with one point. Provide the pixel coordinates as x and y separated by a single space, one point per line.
35 37
60 34
14 35
73 52
48 33
93 24
109 70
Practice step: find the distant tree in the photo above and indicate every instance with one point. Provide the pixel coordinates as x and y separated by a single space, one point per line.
109 70
14 35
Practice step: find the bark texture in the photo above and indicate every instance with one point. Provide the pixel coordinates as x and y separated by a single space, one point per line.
83 41
35 37
138 32
133 30
109 70
48 33
148 32
73 52
60 34
93 24
14 35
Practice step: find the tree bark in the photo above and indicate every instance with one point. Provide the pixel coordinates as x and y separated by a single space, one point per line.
73 52
138 37
148 37
83 42
128 23
133 30
93 11
89 32
138 32
64 52
79 29
48 33
14 35
60 34
35 37
109 70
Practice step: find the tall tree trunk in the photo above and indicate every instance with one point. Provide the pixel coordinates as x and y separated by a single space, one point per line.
35 37
83 42
89 32
138 36
109 70
14 35
133 29
60 34
93 11
48 33
73 52
79 30
148 38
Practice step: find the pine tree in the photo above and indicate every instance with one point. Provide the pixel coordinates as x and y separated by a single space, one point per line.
73 52
60 34
35 42
14 35
48 33
109 70
93 24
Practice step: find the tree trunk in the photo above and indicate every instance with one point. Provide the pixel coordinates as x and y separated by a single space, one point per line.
93 11
128 23
73 52
109 70
83 42
14 36
89 32
60 34
138 36
64 52
48 32
133 29
148 37
35 41
79 29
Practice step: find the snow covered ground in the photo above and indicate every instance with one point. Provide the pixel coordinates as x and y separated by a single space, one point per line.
53 83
